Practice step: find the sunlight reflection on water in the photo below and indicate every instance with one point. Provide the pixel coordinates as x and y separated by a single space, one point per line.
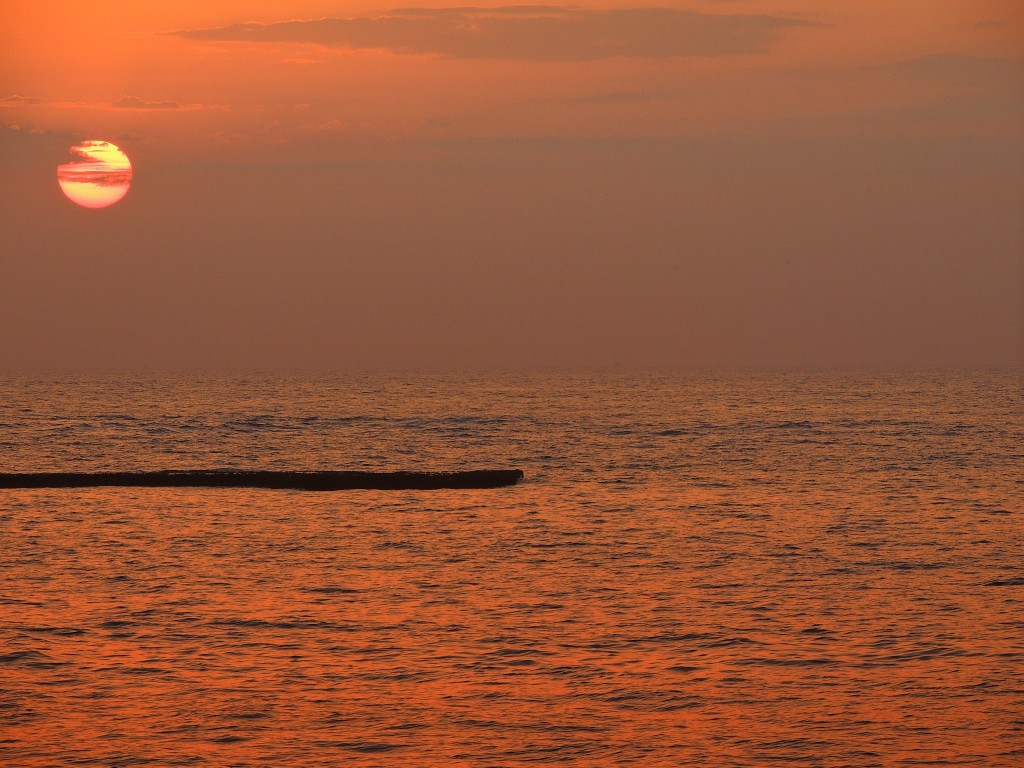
730 570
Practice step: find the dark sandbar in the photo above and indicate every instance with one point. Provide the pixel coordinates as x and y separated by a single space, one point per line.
301 481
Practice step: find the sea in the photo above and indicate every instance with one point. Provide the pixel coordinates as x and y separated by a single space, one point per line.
698 569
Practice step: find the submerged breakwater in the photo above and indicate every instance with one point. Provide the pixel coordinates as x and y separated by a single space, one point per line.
300 481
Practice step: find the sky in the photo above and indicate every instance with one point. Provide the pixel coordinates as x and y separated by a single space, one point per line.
331 186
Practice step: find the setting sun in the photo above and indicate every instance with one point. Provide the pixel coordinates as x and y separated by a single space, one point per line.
98 177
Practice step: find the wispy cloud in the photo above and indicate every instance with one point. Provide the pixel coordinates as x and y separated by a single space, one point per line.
956 68
134 102
13 128
125 102
620 97
16 100
531 32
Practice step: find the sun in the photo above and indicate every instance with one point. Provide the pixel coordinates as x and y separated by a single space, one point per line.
99 175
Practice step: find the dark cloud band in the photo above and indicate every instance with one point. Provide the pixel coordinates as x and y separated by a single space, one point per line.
542 33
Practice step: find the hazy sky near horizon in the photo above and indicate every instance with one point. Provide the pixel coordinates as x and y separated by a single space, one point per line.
327 185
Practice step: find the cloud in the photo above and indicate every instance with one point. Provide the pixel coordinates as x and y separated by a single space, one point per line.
531 32
27 145
16 100
125 102
32 130
134 102
960 69
620 97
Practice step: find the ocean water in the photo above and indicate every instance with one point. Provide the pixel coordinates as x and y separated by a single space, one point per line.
715 570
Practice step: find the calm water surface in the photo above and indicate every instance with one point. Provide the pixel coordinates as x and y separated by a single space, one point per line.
699 570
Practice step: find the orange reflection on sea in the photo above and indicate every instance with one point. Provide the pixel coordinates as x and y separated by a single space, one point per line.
682 584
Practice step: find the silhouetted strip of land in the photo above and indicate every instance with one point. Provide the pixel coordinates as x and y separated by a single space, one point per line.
301 481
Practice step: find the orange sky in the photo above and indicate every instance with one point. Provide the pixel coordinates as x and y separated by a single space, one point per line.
744 182
844 61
